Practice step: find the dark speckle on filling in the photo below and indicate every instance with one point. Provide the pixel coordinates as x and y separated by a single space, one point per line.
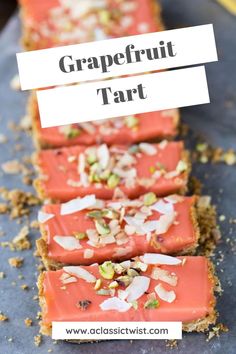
83 304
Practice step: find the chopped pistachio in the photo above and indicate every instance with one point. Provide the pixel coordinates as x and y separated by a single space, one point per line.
222 217
152 169
105 175
94 177
101 227
151 304
135 304
200 147
160 166
91 159
133 149
79 235
94 167
230 158
107 213
107 270
124 280
140 265
113 284
110 214
203 159
131 121
149 198
132 272
103 292
118 268
113 181
98 284
182 166
104 17
96 214
73 133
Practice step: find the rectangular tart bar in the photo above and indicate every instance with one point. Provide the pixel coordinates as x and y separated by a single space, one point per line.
125 130
49 23
85 231
112 172
150 288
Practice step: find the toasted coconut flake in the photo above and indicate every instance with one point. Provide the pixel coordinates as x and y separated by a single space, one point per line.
15 83
135 223
64 276
106 240
140 265
182 166
81 164
137 288
84 181
148 236
171 174
160 226
116 304
174 198
164 223
126 160
99 204
88 127
125 264
148 149
120 252
121 240
44 217
80 273
118 194
164 275
122 294
88 253
129 230
155 258
69 243
92 235
65 129
162 144
103 155
150 226
115 205
132 221
130 173
162 207
168 296
12 167
78 204
204 201
69 280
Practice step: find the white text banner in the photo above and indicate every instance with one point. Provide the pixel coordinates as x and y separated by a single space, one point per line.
123 96
117 57
116 330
